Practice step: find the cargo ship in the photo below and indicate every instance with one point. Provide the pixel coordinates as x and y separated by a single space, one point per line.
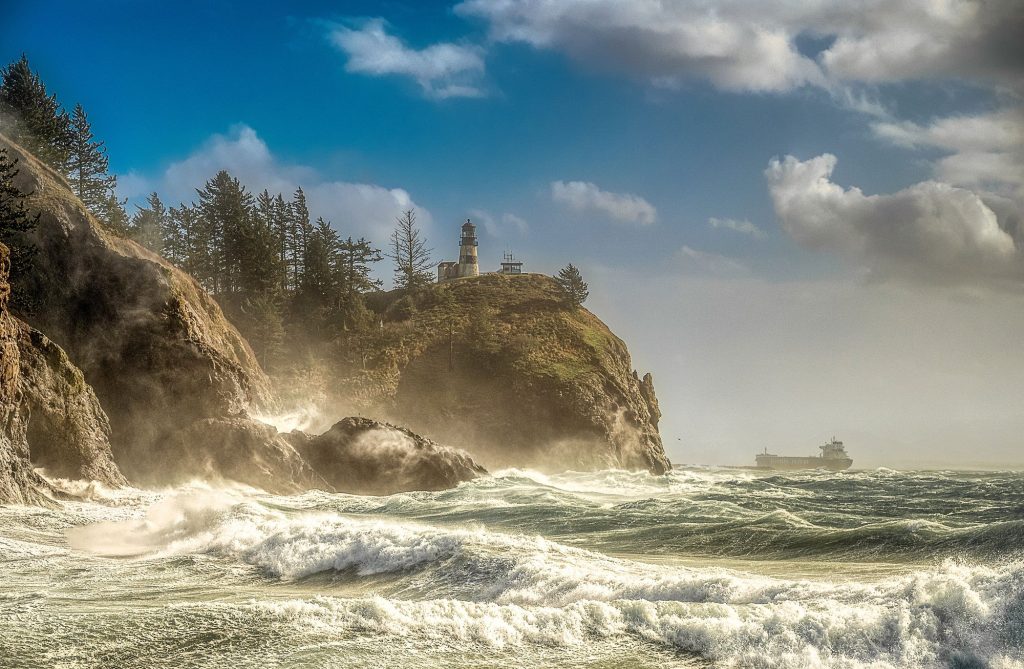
833 456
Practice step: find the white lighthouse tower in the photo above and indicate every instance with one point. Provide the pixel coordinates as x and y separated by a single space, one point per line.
468 264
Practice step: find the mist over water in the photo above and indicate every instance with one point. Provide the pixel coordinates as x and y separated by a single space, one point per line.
700 567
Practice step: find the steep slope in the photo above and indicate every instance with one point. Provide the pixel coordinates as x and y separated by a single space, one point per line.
502 367
155 346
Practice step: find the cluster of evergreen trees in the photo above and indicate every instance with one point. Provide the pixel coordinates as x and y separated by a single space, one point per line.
263 258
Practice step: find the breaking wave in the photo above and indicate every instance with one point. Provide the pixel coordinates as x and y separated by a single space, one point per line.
525 569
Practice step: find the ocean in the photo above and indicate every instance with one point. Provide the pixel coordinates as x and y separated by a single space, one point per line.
702 567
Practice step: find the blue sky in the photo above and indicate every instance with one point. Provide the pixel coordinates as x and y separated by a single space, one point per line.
635 140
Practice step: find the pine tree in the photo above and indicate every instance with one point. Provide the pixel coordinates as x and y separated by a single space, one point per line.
37 121
173 237
259 269
282 225
300 232
15 224
316 286
318 274
148 224
573 286
88 164
113 214
352 271
408 249
225 207
352 279
264 327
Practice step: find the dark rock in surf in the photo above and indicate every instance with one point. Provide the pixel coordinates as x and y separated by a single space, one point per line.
237 449
364 456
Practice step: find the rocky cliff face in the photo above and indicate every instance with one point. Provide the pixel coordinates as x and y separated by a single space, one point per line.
19 484
49 416
68 431
155 347
500 366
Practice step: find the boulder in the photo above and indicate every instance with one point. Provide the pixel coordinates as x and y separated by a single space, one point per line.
236 449
364 456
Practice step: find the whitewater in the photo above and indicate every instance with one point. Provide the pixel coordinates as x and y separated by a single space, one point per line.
701 567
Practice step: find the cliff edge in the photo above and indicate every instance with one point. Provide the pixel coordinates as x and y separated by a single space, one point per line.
501 366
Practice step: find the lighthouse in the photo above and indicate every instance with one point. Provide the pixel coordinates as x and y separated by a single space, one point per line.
468 264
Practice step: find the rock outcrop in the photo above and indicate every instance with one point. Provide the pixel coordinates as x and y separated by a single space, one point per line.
152 343
363 456
237 449
68 431
19 483
502 367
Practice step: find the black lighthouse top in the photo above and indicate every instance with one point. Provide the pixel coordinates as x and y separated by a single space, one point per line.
468 234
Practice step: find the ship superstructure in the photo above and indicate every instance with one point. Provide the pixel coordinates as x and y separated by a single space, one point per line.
833 456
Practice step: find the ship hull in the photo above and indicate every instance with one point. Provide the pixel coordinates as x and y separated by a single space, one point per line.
790 463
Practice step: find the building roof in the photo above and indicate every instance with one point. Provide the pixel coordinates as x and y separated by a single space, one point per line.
468 225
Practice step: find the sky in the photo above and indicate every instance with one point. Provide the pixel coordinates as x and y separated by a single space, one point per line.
805 218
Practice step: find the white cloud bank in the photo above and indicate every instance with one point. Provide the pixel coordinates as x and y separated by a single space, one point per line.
751 45
930 232
583 196
443 70
356 209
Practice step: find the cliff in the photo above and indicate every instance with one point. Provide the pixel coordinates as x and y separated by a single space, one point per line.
19 484
154 346
499 365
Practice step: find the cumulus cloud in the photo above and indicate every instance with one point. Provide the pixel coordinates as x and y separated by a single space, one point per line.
443 70
930 232
583 196
356 209
751 45
744 227
984 150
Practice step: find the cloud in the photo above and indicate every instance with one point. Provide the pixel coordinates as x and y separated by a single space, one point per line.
751 45
710 263
443 70
582 196
984 150
356 209
743 227
930 232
